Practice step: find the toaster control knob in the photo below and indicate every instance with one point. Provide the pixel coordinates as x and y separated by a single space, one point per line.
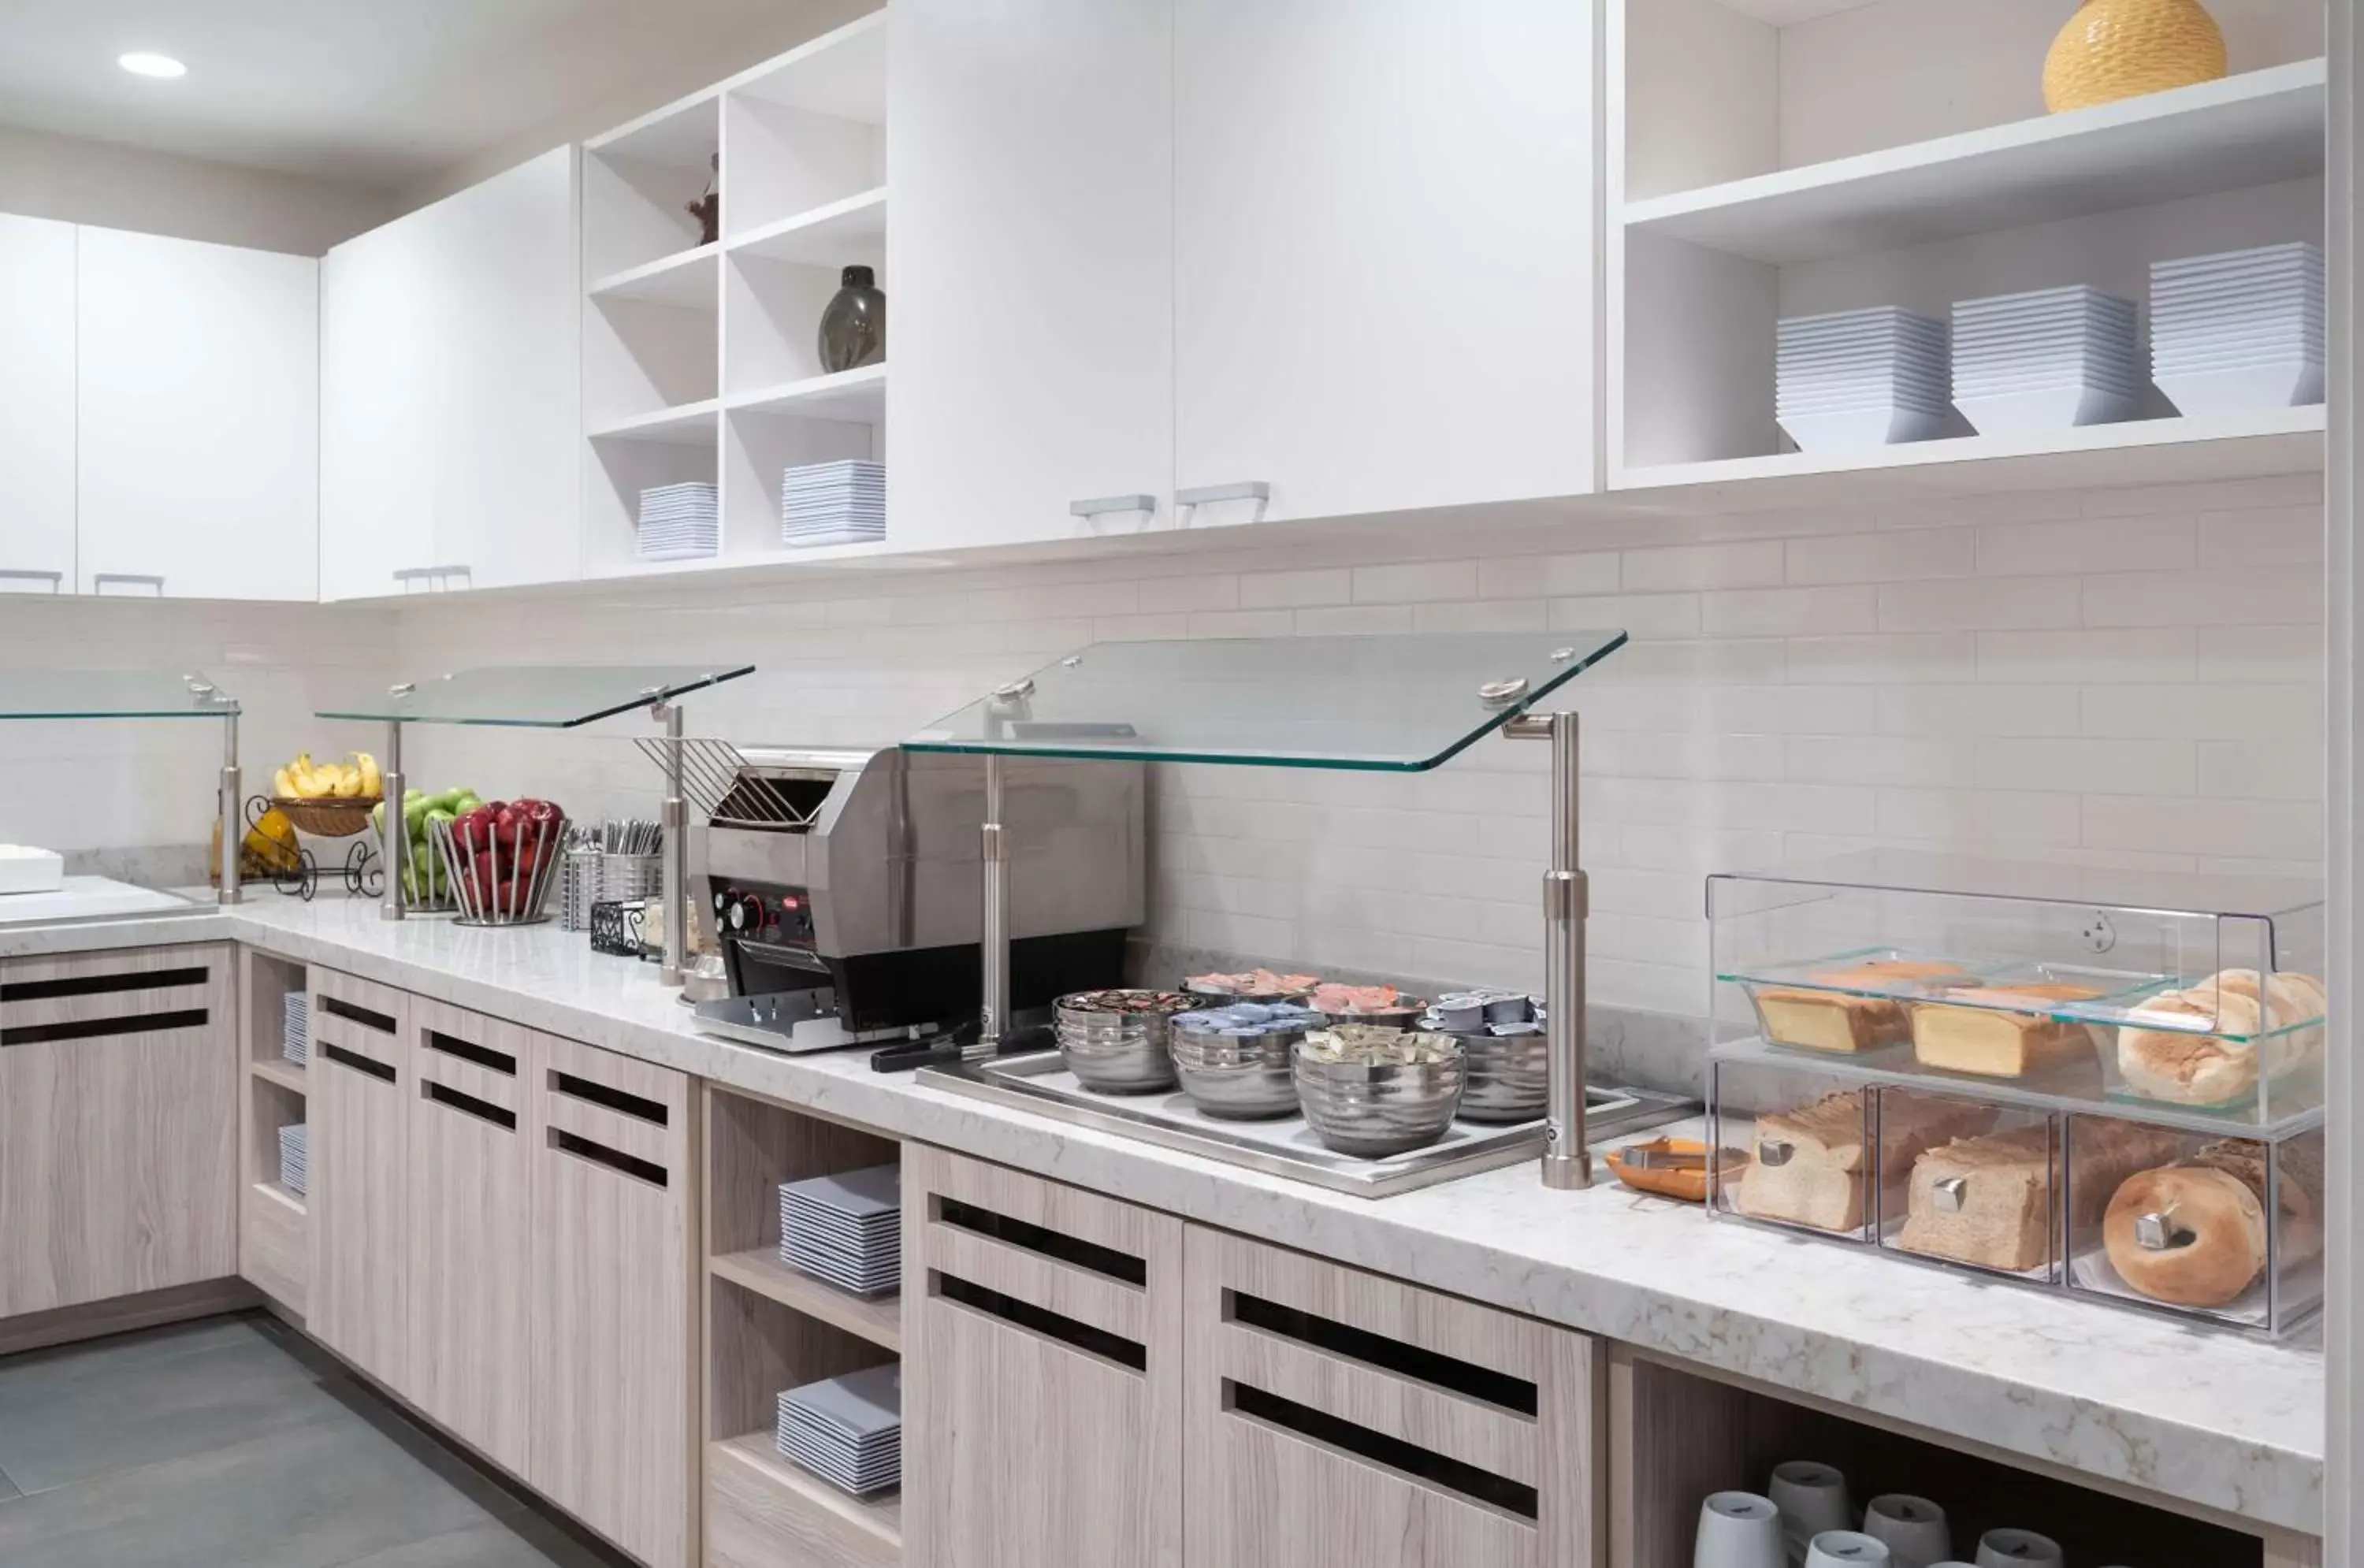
746 913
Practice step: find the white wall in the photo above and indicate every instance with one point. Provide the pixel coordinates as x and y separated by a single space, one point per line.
114 186
2122 675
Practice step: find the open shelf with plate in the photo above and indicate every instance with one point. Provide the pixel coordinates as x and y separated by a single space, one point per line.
1897 153
772 1327
274 1250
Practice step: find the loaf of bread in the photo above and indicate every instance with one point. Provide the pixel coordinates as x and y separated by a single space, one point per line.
2195 1233
1810 1165
1825 1014
1990 1200
2161 1061
1977 1032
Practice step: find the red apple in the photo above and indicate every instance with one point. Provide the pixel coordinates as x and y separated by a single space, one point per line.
476 831
504 826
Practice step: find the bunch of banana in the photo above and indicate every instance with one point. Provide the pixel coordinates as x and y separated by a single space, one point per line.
355 778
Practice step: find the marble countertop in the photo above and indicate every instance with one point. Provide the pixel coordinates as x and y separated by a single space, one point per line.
2224 1421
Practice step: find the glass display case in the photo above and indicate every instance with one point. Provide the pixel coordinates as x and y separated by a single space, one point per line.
2100 1081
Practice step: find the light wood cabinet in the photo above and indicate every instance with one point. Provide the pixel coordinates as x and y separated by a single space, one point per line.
1031 146
198 422
614 1272
37 406
1043 1372
358 1197
1337 1419
118 1125
469 1319
1383 253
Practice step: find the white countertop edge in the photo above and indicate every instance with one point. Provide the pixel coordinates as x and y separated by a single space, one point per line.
2223 1421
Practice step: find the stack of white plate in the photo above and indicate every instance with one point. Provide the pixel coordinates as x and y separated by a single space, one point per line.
833 503
2239 330
847 1430
2045 361
293 1149
846 1229
295 1036
1860 378
680 522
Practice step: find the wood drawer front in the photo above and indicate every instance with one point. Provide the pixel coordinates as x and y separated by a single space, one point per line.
357 1107
355 1013
1043 1372
1431 1429
275 1252
616 1105
753 1522
118 1138
103 996
471 1239
614 1260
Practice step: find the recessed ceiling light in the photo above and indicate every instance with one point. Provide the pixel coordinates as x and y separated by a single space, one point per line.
141 62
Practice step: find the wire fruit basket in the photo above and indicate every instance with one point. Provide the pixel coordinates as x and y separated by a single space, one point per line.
503 879
329 816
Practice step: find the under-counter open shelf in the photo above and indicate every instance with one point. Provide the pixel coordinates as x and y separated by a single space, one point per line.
763 1510
878 1319
288 1076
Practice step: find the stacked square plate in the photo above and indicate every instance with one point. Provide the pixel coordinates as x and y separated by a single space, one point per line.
847 1430
293 1149
2045 361
295 1034
846 1229
833 503
680 522
2239 330
1860 378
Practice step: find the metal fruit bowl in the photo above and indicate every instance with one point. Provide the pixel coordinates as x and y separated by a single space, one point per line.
1374 1110
1115 1041
1238 1077
328 816
468 872
1509 1076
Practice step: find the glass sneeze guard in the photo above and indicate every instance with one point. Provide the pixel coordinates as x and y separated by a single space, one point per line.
110 694
534 696
1401 704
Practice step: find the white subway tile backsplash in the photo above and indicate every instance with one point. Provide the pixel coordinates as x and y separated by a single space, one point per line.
1987 603
2255 596
2142 653
1790 612
2282 654
1751 565
2272 536
1547 576
2268 829
1414 582
1292 590
1638 615
2201 712
2261 770
1897 557
1884 659
2063 547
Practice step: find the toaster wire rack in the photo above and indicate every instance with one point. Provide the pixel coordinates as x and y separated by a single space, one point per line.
715 774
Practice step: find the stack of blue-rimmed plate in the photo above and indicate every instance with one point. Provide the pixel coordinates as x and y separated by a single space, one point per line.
847 1430
680 522
846 1229
293 1149
2239 330
1860 378
2045 361
295 1034
833 503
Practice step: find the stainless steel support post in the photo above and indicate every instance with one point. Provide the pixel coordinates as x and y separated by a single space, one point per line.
1568 1156
993 1014
394 836
233 837
676 851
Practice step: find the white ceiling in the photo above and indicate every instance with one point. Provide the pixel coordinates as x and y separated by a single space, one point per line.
379 93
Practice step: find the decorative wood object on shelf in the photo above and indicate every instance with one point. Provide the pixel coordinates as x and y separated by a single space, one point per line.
2123 49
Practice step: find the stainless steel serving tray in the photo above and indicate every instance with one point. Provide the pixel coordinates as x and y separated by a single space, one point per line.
1040 1082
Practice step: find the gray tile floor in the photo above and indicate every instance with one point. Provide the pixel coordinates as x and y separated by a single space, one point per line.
235 1443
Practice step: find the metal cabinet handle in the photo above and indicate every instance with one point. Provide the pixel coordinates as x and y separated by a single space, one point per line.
99 580
432 575
1100 503
1243 490
56 580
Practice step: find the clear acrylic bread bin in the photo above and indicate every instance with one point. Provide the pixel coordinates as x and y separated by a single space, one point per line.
2096 1081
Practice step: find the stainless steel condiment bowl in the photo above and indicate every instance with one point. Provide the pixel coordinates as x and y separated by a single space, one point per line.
1241 1078
1372 1112
1115 1041
1508 1076
1402 1016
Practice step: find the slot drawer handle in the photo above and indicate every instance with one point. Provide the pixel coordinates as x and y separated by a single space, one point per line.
468 1105
358 1062
622 1102
99 1029
336 1006
1384 1353
99 581
1207 495
1056 1245
616 1160
1409 1460
56 580
1039 1320
483 1056
102 984
1100 504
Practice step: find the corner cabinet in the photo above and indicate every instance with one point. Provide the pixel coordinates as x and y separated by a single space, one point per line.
451 414
197 419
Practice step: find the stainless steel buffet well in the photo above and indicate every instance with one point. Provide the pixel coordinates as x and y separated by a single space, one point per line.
140 693
1401 705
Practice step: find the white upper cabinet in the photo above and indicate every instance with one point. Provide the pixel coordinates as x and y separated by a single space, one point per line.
199 419
451 393
1384 253
37 406
1031 152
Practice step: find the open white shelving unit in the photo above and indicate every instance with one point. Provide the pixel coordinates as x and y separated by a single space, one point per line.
1777 158
700 359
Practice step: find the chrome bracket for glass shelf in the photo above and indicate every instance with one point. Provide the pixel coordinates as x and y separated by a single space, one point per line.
674 820
1568 1157
228 889
394 829
1009 702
